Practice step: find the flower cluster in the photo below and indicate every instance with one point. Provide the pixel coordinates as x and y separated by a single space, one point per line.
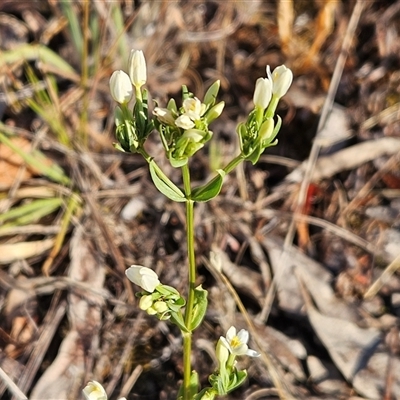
133 126
184 131
94 391
160 300
259 131
228 377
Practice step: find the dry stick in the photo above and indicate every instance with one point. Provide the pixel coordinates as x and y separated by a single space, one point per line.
363 192
384 278
313 155
49 327
12 387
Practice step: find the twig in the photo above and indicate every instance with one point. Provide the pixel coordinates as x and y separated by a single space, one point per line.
12 387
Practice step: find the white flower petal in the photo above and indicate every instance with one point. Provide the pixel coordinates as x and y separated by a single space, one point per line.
144 277
120 87
184 122
94 391
231 333
137 68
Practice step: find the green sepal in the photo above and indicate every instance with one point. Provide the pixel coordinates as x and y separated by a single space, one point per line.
256 154
178 163
177 319
172 106
164 184
271 142
199 307
206 394
210 189
211 94
185 93
218 384
167 290
237 379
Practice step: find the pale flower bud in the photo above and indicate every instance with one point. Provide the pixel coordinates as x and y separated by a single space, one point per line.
160 307
266 129
184 122
137 68
120 87
94 391
145 302
215 112
164 115
222 353
144 277
282 78
262 93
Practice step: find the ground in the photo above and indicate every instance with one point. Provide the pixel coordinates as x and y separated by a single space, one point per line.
300 249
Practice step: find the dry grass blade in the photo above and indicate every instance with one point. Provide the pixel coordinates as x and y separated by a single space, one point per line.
383 279
22 250
12 387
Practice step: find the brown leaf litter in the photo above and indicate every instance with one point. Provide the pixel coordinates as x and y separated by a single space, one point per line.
302 249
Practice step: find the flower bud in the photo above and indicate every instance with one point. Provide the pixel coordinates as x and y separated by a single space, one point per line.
137 68
211 94
262 93
144 277
282 78
215 112
94 391
164 116
266 130
160 307
146 302
222 353
120 87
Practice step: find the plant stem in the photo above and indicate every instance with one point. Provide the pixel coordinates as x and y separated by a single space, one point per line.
232 165
187 337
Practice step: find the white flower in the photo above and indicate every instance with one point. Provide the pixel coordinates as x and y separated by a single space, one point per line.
184 122
164 115
94 391
120 87
193 108
281 78
262 93
137 68
237 343
144 277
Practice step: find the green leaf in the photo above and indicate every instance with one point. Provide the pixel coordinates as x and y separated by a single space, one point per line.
199 308
237 380
177 319
210 189
164 184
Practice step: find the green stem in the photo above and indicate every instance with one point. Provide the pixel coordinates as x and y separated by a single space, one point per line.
187 337
272 106
234 163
